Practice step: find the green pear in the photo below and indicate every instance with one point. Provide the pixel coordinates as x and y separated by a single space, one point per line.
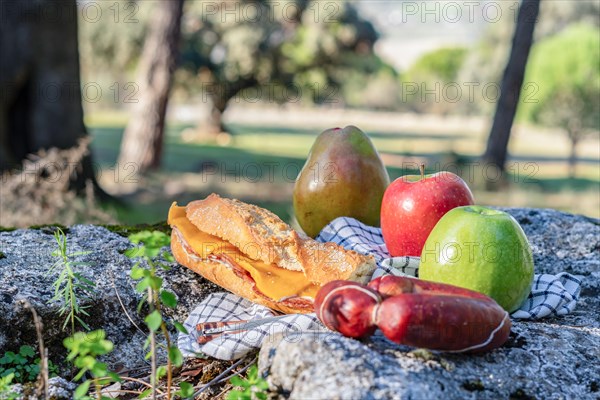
343 177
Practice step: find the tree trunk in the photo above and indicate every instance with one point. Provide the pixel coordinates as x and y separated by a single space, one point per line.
40 102
215 123
497 145
573 155
220 94
143 138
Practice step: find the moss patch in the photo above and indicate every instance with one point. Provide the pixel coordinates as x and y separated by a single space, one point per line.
122 230
474 385
50 228
2 255
520 394
46 228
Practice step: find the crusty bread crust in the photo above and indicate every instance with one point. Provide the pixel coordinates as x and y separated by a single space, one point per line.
255 231
262 235
225 277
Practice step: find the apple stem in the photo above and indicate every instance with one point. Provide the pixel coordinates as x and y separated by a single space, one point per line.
422 169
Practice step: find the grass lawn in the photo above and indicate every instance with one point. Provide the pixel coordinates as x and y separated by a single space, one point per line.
261 163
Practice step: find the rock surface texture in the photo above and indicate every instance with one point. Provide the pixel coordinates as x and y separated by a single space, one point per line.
552 358
24 274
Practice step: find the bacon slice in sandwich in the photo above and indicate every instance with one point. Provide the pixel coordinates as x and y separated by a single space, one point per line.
251 252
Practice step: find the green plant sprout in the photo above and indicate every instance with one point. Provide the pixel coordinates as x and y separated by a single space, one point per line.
23 366
69 283
6 383
150 286
84 349
254 387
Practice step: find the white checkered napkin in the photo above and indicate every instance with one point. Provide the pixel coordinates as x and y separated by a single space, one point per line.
550 294
221 307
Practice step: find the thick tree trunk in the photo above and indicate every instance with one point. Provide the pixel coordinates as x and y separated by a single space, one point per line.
143 138
215 123
220 96
40 102
497 145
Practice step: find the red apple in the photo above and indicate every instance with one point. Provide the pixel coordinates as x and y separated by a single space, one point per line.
413 204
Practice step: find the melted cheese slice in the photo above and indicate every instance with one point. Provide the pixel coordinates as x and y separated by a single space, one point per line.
271 280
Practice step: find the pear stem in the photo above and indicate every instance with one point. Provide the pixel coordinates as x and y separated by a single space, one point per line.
422 169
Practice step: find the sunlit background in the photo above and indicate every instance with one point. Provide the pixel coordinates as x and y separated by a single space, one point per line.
254 83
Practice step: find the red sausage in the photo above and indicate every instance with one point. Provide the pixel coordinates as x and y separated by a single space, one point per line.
414 312
347 307
390 285
443 322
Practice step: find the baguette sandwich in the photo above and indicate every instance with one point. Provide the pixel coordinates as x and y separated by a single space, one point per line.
251 252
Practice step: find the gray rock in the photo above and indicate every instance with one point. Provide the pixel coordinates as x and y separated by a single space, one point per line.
58 389
24 275
553 358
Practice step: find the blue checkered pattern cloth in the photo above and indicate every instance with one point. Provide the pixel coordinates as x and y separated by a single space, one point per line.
551 295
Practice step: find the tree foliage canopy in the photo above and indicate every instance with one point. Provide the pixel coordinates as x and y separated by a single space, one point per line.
564 68
232 45
237 45
442 64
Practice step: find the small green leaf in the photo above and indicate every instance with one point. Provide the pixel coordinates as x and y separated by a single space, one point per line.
141 236
134 252
168 256
235 395
261 395
186 389
175 356
237 381
82 390
99 370
146 343
19 359
137 273
262 384
142 285
83 324
89 283
151 253
155 282
161 371
168 299
180 327
153 320
252 372
26 351
145 393
165 267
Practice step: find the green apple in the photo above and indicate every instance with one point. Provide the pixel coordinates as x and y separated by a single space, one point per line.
481 249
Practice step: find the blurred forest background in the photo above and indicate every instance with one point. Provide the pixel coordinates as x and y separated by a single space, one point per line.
159 101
